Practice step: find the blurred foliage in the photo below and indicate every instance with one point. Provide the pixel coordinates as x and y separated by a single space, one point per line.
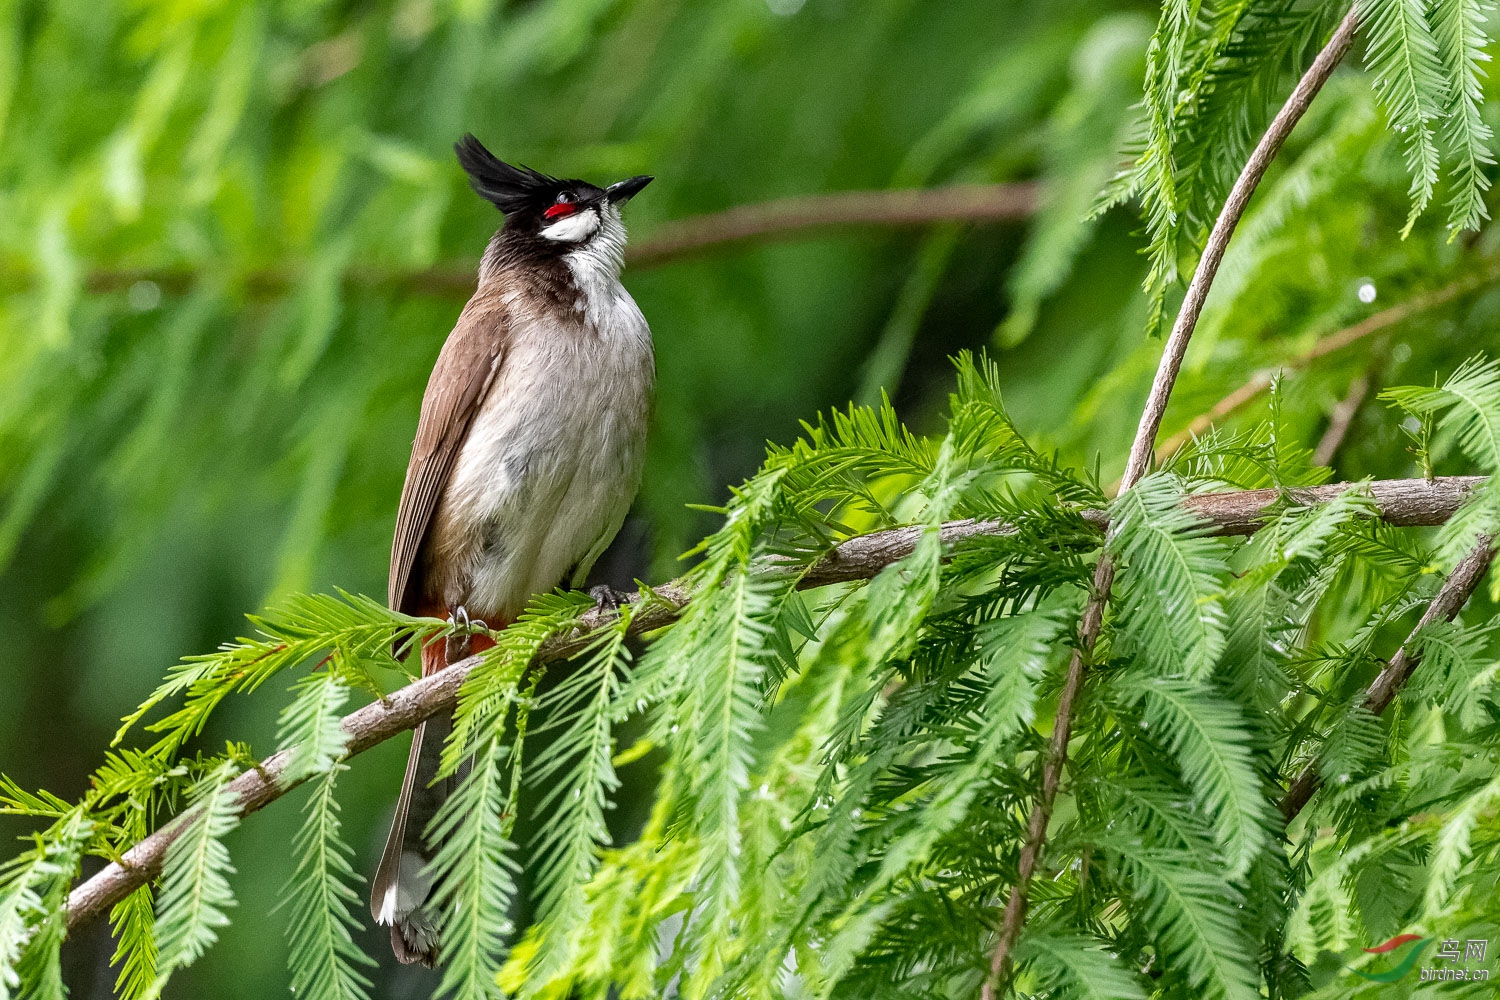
216 218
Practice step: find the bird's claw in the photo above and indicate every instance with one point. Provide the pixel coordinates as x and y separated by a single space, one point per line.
607 598
462 629
461 624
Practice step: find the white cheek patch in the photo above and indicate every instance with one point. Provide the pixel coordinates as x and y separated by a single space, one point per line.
573 228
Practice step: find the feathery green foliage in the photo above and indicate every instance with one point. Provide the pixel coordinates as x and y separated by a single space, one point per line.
1209 742
472 873
322 954
195 892
134 925
1463 409
487 694
354 630
1467 399
1083 969
1195 920
1169 581
833 783
309 728
579 774
1403 58
1459 29
33 891
847 769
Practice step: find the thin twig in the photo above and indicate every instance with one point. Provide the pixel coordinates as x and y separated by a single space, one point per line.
1141 453
901 207
1400 502
1450 599
783 218
1370 325
1340 420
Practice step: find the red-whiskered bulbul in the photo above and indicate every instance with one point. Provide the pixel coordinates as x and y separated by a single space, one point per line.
528 453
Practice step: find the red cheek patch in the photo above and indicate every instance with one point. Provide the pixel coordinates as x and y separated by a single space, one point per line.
559 210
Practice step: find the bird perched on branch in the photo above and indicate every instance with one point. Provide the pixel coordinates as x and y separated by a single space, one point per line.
528 453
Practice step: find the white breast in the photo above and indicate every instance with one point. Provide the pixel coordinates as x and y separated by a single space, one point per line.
554 457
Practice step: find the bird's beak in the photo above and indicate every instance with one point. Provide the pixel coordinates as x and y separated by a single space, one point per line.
620 193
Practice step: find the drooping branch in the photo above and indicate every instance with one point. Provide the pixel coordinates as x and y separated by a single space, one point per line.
1142 450
1402 502
1450 599
783 218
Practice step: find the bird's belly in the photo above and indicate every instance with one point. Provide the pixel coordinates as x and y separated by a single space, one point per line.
544 479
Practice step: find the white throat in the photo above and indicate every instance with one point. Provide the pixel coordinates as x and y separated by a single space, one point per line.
596 263
602 302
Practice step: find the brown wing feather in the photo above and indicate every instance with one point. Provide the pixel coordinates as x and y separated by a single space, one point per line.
465 368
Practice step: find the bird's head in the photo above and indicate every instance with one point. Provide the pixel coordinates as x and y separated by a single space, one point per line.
567 214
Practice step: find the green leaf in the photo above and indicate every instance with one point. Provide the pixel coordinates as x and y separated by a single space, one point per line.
1453 847
486 695
1012 655
1209 738
1470 403
1192 914
578 771
195 889
1409 80
321 954
352 629
1479 517
1169 580
1077 967
473 876
1459 29
720 717
1352 746
133 922
33 900
309 727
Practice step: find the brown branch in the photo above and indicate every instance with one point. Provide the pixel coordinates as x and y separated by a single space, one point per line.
900 207
783 218
364 728
1340 420
1370 325
1450 599
1402 502
1142 450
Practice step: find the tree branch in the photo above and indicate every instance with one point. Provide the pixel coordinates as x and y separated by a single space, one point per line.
1401 502
899 207
1340 420
783 218
1370 325
1450 599
1142 450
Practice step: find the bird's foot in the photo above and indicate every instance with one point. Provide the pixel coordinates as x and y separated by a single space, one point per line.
461 622
607 598
462 629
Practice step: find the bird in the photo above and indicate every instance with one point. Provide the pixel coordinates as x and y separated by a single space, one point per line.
529 451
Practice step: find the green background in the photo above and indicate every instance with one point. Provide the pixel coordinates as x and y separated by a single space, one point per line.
216 219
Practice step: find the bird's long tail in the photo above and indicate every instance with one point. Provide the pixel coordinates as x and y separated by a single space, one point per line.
401 887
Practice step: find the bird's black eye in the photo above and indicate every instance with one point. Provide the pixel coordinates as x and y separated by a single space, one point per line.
564 204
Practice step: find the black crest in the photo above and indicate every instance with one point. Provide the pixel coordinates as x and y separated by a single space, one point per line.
508 188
